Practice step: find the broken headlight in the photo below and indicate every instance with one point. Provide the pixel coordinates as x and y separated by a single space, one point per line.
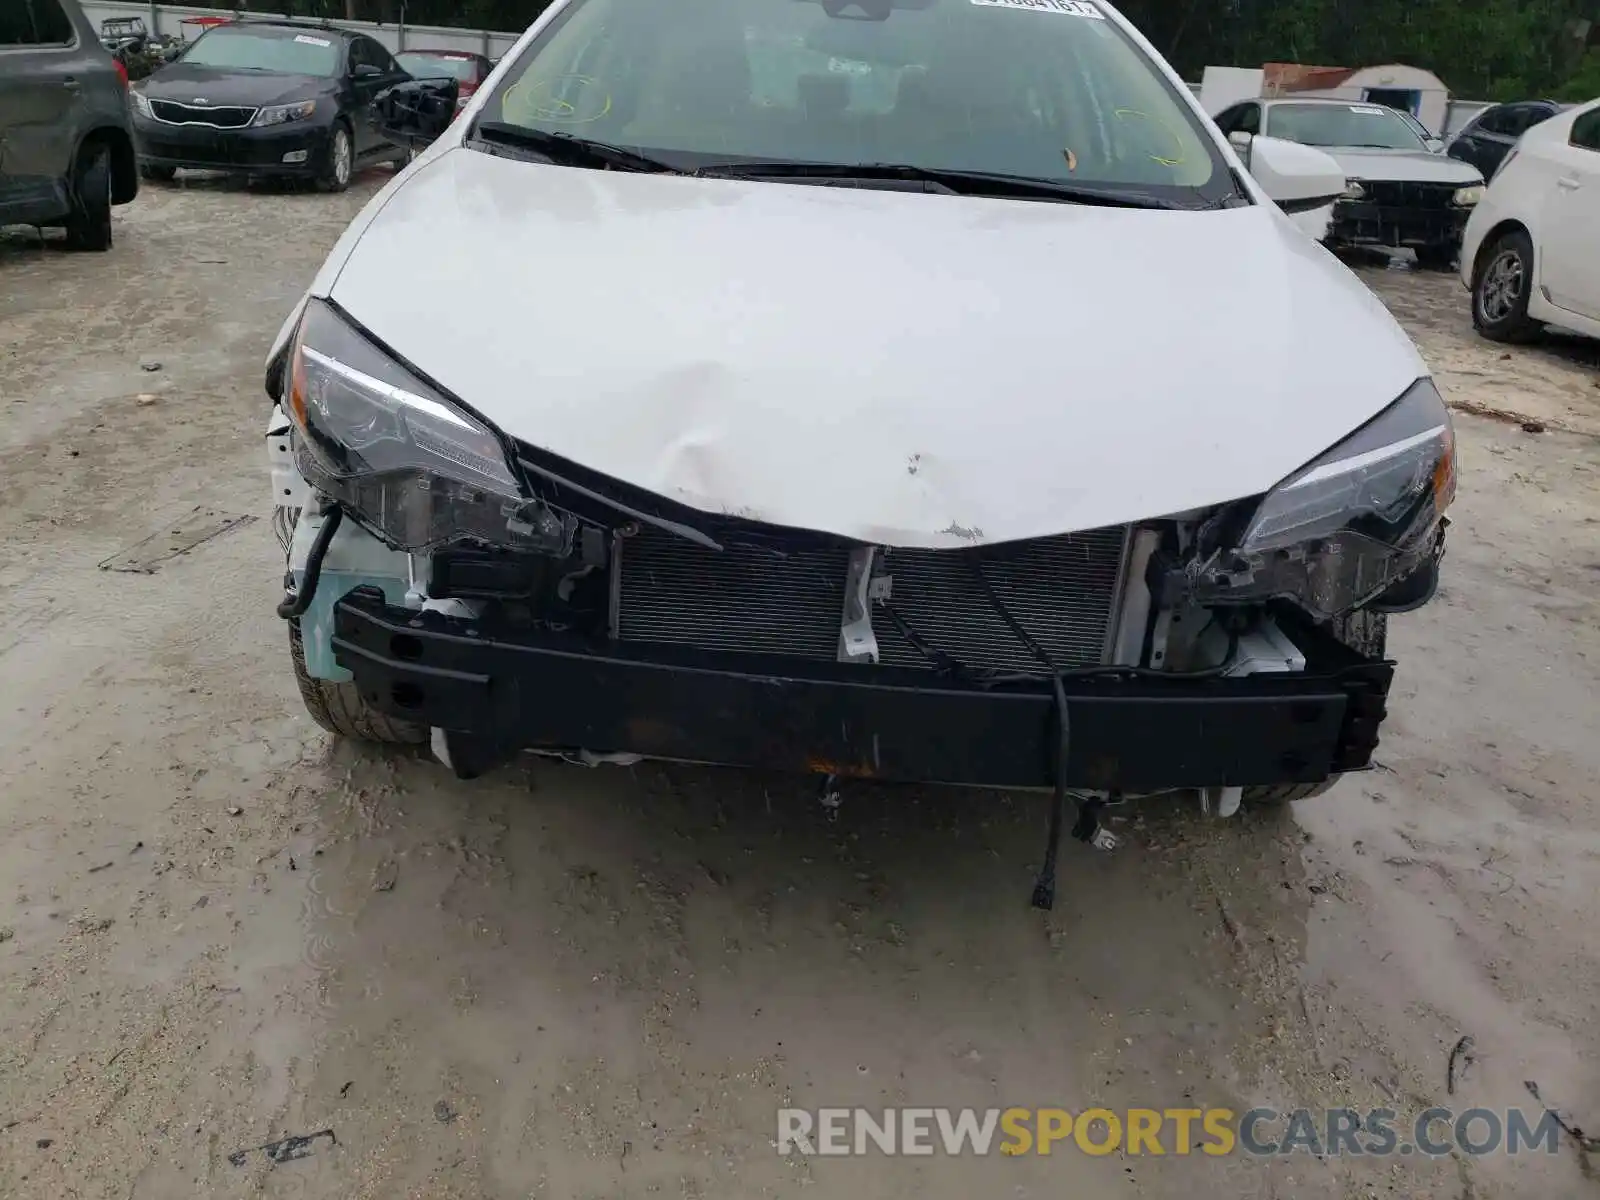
398 456
1350 524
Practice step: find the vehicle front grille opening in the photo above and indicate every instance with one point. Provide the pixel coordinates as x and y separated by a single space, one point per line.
1062 590
217 116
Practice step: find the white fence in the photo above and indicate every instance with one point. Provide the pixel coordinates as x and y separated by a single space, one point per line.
169 18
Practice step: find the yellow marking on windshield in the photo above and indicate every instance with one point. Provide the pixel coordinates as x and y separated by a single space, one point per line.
1123 113
551 108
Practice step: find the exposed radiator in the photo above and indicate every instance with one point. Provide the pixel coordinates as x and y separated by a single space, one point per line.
1062 590
1400 194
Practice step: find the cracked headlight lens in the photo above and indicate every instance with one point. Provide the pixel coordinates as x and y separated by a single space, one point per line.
416 468
1352 522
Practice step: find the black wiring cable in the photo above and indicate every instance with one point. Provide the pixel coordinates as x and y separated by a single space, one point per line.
295 606
1044 888
941 660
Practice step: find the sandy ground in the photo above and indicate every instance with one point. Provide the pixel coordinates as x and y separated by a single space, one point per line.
218 929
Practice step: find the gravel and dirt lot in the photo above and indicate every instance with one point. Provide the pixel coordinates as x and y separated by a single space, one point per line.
219 930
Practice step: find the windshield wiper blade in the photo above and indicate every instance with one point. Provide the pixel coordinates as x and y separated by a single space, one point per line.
959 182
570 149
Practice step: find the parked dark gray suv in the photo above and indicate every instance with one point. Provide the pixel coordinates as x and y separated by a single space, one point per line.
66 147
1487 140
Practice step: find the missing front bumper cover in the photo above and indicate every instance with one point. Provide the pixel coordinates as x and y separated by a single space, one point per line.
535 688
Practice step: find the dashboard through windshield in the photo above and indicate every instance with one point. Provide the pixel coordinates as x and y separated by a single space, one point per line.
1043 89
1345 126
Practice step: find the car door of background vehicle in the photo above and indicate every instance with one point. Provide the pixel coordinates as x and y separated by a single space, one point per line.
1240 118
1569 255
1518 119
368 53
1487 139
42 107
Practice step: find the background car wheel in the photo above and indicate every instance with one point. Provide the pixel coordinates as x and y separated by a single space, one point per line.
1501 290
403 158
158 174
1367 633
1436 258
340 709
89 225
339 162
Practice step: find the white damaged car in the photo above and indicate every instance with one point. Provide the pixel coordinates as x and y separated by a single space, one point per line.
859 389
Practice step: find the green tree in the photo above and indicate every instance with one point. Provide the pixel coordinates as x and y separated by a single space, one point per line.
1482 49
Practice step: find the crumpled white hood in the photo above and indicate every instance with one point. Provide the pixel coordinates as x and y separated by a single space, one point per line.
907 369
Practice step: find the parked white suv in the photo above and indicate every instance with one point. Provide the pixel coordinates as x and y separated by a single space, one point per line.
1531 253
853 387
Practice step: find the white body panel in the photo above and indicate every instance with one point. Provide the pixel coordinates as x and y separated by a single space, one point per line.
906 369
902 368
1223 87
1290 172
1550 188
1316 224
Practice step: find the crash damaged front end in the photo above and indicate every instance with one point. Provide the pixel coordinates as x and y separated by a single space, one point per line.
508 600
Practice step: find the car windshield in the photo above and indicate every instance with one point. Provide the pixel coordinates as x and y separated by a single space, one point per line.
420 65
1347 125
281 50
1045 89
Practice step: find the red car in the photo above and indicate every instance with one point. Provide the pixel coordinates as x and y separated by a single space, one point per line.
467 69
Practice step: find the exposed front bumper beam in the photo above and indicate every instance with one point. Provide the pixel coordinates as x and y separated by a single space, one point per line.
1363 223
533 688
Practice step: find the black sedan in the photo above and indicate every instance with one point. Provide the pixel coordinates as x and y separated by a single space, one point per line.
270 98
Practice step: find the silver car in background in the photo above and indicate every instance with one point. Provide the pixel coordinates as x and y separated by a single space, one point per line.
1403 192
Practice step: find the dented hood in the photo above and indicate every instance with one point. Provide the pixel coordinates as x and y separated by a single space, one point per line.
906 369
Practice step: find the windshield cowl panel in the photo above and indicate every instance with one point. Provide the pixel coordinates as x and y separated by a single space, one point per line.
1047 91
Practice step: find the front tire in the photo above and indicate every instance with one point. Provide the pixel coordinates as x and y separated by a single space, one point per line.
158 174
1367 633
339 163
341 709
89 224
1502 288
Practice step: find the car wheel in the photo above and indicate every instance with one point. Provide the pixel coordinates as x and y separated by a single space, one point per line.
339 163
1365 632
89 224
158 174
1437 258
1502 289
341 709
403 158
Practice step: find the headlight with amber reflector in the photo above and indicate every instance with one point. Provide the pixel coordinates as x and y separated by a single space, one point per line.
404 460
1352 522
